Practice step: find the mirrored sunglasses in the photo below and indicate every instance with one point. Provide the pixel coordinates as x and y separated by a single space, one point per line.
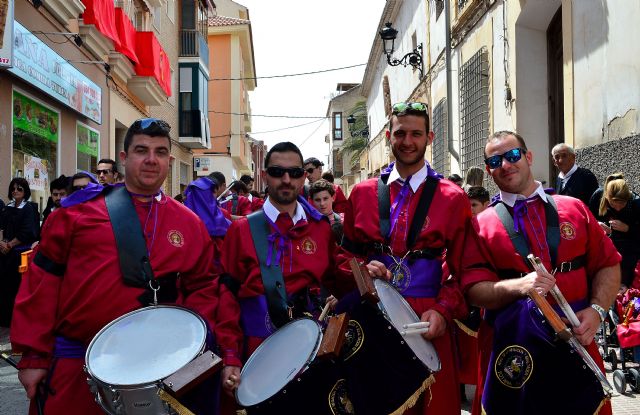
153 122
404 106
277 172
512 156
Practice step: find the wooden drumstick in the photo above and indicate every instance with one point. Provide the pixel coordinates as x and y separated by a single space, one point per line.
325 311
414 331
418 325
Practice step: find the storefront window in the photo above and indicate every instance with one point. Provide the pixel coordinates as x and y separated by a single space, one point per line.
35 145
87 146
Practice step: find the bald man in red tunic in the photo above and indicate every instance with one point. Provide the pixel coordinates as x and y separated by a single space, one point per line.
74 287
412 254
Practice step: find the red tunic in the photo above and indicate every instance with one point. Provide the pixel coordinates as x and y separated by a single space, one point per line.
304 265
256 203
91 292
580 235
445 227
243 208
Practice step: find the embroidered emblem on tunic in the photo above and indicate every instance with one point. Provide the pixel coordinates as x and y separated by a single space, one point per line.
175 238
400 276
308 246
513 366
426 224
338 399
568 231
353 339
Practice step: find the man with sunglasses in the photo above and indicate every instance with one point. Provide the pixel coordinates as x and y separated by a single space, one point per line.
107 171
74 288
296 242
583 263
401 225
313 167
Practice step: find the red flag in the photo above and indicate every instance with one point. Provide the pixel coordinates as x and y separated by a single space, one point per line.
126 34
102 14
153 60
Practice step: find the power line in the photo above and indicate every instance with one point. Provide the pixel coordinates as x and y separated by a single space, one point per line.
309 136
269 116
288 75
270 131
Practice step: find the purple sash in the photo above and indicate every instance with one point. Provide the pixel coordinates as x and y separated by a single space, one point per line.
254 317
420 278
68 348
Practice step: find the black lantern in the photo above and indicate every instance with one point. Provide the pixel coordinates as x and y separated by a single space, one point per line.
414 59
363 132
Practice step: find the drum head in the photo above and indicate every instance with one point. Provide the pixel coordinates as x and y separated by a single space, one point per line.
399 312
145 345
278 360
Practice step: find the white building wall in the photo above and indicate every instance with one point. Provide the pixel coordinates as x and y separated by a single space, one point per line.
606 59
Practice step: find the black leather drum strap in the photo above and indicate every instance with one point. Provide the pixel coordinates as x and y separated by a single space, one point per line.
421 211
384 208
518 240
132 248
272 278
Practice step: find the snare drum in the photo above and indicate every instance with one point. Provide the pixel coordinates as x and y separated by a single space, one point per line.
127 360
386 372
281 376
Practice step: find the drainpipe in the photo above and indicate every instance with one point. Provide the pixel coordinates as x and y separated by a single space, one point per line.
447 59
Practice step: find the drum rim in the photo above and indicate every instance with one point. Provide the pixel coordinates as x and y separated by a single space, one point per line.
304 367
411 310
136 311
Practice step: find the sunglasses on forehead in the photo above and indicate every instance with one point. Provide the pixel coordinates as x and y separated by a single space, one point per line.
512 156
408 106
152 122
277 172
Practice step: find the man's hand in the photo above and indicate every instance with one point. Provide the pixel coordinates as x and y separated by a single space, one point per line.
437 324
378 270
31 379
230 379
589 324
542 282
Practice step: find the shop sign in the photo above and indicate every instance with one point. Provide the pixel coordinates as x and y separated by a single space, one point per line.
38 64
88 141
36 173
6 32
35 118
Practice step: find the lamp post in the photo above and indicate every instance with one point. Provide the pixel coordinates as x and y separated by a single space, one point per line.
363 132
388 35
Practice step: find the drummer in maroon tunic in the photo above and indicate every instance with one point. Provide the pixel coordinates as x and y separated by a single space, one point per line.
415 267
74 286
586 262
300 243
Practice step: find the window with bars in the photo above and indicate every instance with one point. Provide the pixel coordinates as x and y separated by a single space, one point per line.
474 108
440 146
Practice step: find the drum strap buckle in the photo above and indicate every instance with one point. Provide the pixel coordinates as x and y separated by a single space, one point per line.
155 290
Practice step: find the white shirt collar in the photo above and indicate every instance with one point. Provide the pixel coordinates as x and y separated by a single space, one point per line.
12 203
416 179
569 173
272 213
510 198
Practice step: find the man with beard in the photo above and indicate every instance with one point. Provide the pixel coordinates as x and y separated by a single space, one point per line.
58 189
383 228
562 232
300 245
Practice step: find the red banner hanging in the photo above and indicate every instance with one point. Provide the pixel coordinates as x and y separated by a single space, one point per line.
153 60
126 34
102 14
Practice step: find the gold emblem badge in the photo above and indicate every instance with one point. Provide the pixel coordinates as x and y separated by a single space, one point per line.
353 340
175 238
567 231
339 401
308 246
513 366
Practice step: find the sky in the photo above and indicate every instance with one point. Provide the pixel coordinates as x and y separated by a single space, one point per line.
294 36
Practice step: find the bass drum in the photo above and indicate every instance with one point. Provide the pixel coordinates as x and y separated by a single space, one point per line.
128 359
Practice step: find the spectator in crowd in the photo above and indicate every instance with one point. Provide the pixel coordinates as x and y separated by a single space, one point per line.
58 188
322 194
618 212
572 180
474 177
19 228
81 180
328 176
107 171
248 181
313 167
456 179
479 198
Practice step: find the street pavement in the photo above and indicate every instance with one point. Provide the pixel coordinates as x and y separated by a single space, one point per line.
13 400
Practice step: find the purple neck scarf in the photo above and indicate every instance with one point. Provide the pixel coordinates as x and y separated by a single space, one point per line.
397 205
520 210
200 199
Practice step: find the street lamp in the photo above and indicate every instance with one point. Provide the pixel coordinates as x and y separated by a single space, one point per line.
363 132
388 35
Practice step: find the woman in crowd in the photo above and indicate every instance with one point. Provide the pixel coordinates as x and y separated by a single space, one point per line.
474 177
19 228
618 212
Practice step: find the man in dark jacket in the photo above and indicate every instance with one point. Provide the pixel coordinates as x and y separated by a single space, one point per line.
572 180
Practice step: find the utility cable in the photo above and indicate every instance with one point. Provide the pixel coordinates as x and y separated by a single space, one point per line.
288 75
258 115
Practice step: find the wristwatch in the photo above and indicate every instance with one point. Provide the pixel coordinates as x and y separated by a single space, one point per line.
601 311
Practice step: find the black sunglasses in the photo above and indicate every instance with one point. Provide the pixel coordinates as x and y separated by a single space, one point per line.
18 188
294 172
105 171
512 156
311 169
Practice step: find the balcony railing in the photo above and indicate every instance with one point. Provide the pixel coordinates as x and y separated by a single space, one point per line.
193 44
